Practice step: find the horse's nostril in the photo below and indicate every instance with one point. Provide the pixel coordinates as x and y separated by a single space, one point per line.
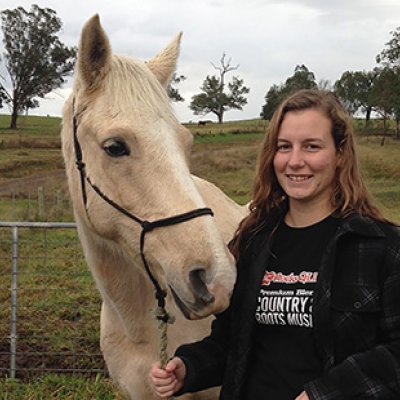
197 280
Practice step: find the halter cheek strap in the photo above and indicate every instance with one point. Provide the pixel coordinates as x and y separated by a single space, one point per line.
147 226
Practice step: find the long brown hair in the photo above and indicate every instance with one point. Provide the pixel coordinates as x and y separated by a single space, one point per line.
349 192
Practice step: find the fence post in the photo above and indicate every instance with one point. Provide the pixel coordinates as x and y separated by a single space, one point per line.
14 275
41 201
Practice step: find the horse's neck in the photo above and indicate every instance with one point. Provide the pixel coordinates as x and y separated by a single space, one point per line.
122 285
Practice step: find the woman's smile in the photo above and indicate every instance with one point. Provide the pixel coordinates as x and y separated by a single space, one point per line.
299 178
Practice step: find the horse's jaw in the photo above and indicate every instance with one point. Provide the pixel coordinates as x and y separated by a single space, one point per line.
204 312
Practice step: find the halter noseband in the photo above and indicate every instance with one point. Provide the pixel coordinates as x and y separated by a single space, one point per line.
147 226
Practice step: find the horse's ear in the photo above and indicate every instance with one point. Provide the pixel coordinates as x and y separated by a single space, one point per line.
94 54
163 65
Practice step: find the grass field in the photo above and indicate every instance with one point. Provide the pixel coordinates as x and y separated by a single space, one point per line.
57 387
224 154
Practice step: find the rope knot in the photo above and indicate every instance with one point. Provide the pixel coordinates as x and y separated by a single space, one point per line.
160 296
80 165
163 319
161 315
147 226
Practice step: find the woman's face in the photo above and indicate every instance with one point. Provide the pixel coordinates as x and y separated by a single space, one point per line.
306 159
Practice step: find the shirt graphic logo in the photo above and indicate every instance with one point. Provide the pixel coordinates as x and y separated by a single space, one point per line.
290 304
277 277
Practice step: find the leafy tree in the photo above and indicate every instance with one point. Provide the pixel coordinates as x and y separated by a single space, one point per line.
302 78
385 95
354 88
172 91
273 98
35 58
390 55
217 97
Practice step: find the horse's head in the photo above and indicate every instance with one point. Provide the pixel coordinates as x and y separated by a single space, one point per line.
135 153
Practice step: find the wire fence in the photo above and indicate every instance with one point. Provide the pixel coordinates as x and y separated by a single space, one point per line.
49 306
43 204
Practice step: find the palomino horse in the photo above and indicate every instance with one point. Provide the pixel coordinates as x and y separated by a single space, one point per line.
126 159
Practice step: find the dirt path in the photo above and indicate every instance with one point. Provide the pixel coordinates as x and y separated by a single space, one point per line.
31 182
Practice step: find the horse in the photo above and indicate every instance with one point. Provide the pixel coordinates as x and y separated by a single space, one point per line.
145 223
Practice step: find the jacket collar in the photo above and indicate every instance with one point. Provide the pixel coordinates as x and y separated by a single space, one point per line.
354 222
360 225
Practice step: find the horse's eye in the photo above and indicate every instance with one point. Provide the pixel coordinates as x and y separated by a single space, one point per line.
116 148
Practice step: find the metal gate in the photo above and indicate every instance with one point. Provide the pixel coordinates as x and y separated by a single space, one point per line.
49 305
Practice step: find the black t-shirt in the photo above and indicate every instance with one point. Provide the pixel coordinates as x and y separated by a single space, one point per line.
283 355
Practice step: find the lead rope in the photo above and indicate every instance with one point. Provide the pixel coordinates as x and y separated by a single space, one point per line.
160 313
163 319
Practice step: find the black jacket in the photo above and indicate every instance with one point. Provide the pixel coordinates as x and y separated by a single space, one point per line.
356 314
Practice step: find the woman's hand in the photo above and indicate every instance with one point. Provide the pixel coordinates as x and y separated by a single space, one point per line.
302 396
168 381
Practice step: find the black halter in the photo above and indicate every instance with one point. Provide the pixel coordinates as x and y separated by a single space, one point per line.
147 226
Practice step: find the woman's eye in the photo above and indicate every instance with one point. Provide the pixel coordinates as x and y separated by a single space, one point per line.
116 148
283 147
313 147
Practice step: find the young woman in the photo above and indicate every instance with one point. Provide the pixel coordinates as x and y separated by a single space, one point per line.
315 312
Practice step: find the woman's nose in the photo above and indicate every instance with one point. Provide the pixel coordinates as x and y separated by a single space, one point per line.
296 158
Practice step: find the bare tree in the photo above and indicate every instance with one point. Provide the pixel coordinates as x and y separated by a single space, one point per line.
218 97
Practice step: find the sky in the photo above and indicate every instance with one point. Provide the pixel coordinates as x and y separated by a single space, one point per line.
266 39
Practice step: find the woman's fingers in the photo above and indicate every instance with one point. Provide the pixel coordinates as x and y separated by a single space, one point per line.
167 381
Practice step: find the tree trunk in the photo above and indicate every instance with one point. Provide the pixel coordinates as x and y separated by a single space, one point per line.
367 117
384 130
14 116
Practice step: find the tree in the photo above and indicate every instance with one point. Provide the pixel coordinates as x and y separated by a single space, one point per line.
391 54
385 95
354 88
35 58
273 98
217 97
172 91
302 78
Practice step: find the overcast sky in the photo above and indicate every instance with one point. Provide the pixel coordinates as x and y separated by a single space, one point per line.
266 38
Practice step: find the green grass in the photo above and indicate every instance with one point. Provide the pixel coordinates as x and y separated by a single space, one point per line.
55 289
228 138
56 387
31 126
380 167
19 163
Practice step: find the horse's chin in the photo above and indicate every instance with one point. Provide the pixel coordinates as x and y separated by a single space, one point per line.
186 311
